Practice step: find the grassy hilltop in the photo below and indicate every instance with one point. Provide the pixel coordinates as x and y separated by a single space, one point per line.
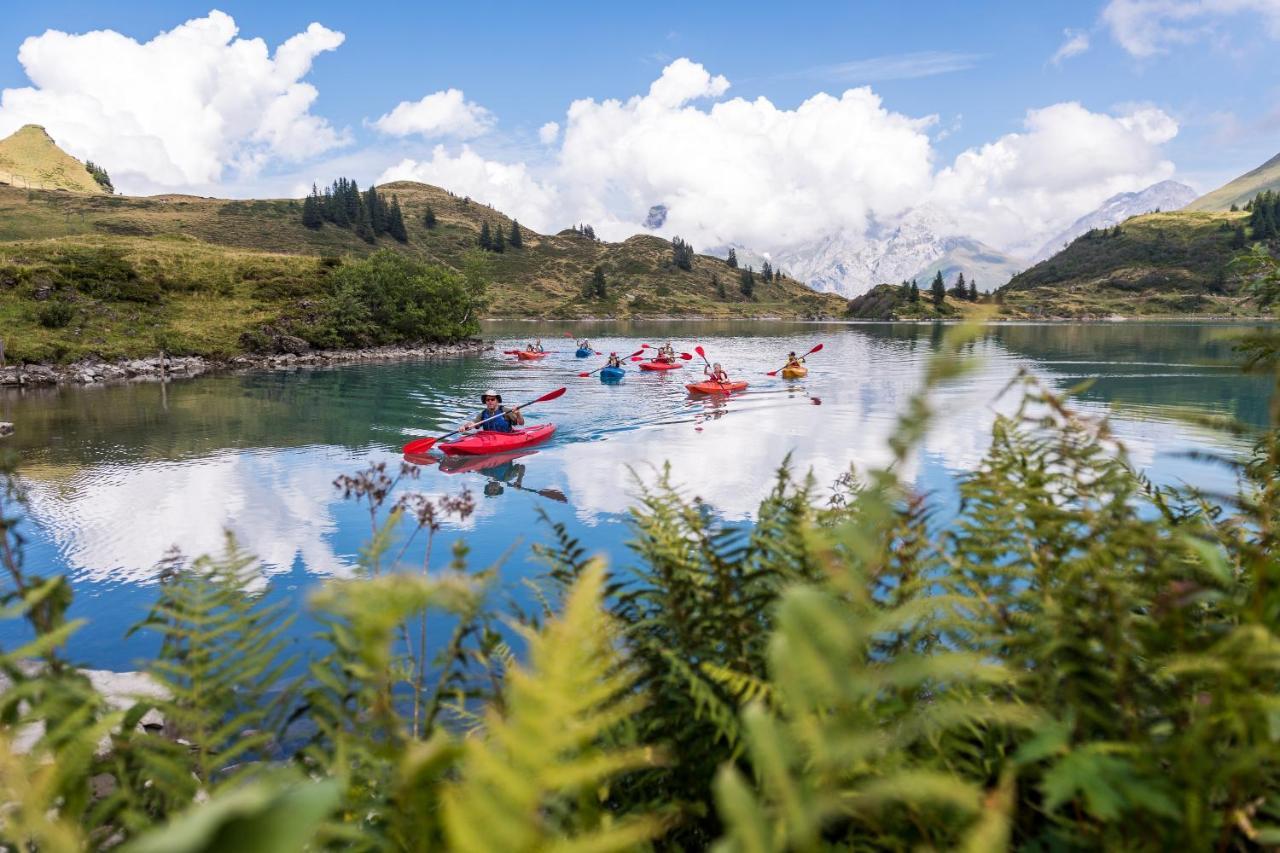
1157 264
30 158
202 272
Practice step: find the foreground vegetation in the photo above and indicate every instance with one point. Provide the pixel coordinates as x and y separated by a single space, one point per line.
1074 659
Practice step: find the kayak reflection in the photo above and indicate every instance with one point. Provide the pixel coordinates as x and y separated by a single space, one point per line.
501 470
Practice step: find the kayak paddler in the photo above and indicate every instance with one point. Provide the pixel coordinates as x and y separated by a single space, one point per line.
716 373
584 344
794 360
614 361
486 421
667 353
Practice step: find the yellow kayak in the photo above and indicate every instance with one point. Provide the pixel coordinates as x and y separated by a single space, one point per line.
794 372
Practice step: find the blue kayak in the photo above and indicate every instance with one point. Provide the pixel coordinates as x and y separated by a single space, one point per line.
612 374
583 353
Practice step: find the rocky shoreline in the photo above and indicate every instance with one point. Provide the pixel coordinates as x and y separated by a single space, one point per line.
160 367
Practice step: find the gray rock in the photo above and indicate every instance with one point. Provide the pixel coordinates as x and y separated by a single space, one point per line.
6 428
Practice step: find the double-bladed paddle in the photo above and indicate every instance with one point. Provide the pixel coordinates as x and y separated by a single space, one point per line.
603 366
698 349
806 355
422 445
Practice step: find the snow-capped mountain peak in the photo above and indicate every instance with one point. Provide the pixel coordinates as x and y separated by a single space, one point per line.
1166 195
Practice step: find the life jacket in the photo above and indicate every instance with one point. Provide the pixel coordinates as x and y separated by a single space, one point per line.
498 424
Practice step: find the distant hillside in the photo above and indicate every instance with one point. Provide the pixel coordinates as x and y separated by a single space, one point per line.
1242 190
30 158
1165 196
979 262
215 269
1157 264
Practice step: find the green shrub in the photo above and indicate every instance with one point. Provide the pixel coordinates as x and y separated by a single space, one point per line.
55 314
388 298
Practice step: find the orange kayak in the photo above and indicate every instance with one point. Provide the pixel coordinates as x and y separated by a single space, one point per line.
660 365
529 356
710 387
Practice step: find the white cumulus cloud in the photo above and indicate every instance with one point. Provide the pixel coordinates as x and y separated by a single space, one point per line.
1148 27
179 110
549 132
446 113
1066 162
751 173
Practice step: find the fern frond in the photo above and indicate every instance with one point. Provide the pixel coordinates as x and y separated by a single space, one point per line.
534 774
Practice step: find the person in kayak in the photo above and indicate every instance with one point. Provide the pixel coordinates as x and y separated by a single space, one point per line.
794 360
667 353
584 344
493 406
716 373
614 361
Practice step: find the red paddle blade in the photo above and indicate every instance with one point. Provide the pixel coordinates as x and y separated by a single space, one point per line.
815 349
698 350
419 445
584 374
686 356
635 358
772 372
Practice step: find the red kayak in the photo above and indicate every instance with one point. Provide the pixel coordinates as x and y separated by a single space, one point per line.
481 443
715 387
530 356
660 365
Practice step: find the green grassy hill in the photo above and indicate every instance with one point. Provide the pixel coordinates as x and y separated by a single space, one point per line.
30 158
1242 190
1159 264
209 270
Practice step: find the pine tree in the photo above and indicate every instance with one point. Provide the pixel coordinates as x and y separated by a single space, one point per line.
961 290
599 286
351 197
747 283
973 290
939 290
915 291
681 254
719 286
732 260
499 240
364 224
1235 208
395 222
905 289
377 211
312 215
485 240
1239 239
429 218
766 271
516 241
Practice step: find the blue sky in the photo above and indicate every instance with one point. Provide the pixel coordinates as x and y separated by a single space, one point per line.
1206 65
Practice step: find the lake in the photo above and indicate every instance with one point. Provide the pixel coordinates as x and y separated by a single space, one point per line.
118 474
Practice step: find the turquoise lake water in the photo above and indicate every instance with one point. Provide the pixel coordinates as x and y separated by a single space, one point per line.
119 474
